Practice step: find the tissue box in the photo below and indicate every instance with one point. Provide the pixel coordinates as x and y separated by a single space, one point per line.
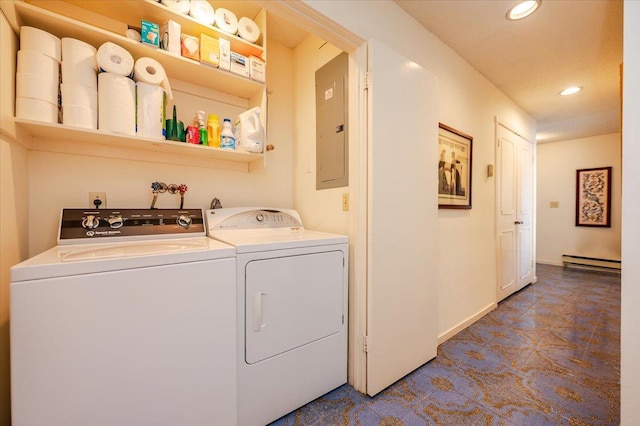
239 64
225 54
256 68
170 40
209 50
150 33
190 47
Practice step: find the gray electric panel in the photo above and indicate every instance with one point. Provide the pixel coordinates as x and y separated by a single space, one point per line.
332 143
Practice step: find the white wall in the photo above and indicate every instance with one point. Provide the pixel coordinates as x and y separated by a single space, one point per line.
321 210
630 368
64 180
556 168
469 103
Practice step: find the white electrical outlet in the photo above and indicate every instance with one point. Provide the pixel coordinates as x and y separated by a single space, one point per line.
98 200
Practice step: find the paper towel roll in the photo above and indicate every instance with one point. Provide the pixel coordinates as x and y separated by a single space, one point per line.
79 53
37 87
116 103
248 30
178 6
41 41
226 20
74 74
202 11
114 59
80 116
149 110
32 62
148 70
36 109
76 94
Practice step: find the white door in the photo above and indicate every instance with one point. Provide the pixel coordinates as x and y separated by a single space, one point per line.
514 179
402 217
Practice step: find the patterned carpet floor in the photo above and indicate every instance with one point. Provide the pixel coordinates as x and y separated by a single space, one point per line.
548 355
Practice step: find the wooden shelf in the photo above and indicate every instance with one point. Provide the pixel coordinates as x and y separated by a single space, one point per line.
71 140
176 66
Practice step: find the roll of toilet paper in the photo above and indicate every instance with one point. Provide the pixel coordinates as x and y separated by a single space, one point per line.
32 62
37 87
75 74
148 70
248 30
79 116
78 52
149 110
133 34
178 6
226 20
114 59
202 11
77 94
36 109
116 103
40 41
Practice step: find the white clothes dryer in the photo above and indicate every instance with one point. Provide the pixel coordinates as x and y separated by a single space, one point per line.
129 321
292 309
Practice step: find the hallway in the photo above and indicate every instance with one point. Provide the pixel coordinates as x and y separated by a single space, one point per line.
548 355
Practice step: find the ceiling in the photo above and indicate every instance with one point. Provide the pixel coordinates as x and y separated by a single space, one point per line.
564 43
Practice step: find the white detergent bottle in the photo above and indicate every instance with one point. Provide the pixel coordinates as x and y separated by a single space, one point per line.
227 140
248 131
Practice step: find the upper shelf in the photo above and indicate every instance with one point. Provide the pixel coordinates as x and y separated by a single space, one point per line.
176 66
131 13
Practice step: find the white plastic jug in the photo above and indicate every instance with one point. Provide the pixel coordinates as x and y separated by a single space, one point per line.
248 131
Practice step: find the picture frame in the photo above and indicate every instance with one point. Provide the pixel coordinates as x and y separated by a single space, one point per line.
454 168
593 197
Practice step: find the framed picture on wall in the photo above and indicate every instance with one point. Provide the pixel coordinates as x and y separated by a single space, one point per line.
454 168
593 197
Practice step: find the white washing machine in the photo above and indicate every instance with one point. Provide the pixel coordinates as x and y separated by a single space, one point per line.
129 321
292 309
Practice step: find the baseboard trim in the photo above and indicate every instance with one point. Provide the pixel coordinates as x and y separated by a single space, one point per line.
466 323
549 262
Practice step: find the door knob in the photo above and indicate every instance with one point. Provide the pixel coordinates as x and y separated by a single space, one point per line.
518 222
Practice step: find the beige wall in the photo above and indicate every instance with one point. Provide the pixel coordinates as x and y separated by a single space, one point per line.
469 103
557 165
14 206
321 210
630 368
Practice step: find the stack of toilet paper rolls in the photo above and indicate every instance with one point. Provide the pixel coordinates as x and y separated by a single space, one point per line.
79 87
38 75
116 90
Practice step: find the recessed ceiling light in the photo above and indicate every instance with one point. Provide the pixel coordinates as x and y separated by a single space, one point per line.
570 91
523 9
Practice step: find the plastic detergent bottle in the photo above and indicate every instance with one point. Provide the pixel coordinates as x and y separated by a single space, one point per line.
213 130
227 140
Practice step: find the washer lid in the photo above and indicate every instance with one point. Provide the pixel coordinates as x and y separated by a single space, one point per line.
78 259
258 229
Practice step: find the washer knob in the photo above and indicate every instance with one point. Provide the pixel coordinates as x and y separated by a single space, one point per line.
259 217
184 221
90 222
115 222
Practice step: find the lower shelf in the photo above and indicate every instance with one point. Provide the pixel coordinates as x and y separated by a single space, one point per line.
39 136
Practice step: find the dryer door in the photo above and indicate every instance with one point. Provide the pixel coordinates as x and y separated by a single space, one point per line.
292 301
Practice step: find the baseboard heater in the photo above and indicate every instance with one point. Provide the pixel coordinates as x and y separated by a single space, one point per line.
595 263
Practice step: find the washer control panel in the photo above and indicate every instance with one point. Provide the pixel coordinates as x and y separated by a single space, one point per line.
259 219
85 225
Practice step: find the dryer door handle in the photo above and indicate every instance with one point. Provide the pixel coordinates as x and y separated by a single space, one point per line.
258 311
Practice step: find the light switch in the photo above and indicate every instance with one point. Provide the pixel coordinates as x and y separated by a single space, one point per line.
554 204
